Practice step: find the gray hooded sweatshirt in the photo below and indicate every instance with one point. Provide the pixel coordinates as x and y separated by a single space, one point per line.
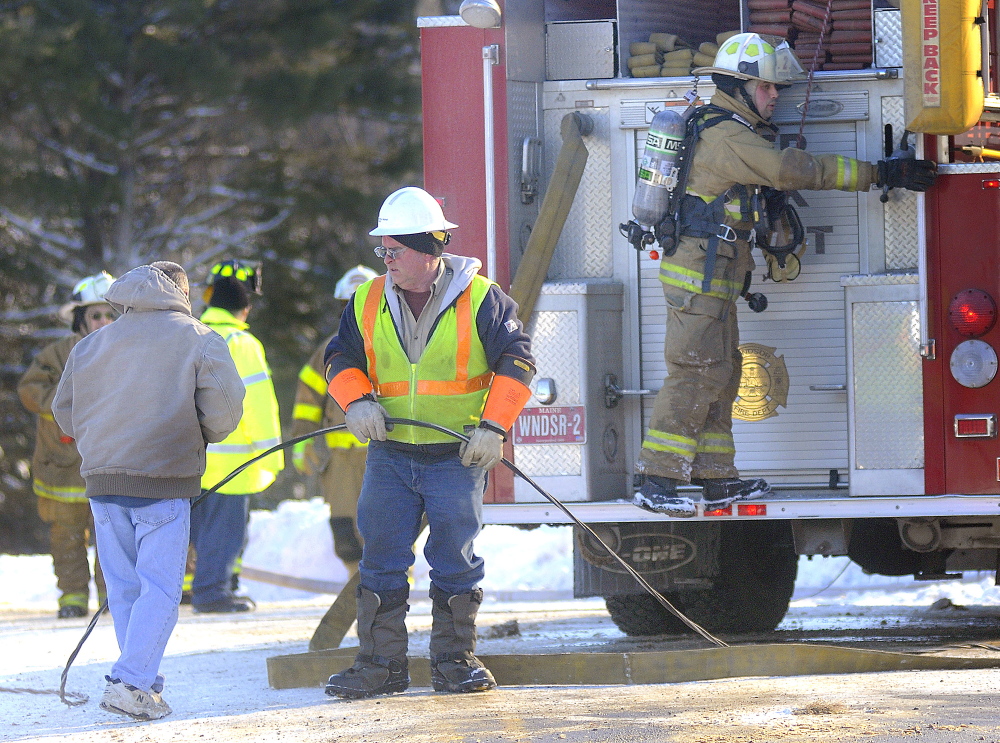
145 394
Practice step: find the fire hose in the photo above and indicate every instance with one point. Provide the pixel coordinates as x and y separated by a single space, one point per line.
74 699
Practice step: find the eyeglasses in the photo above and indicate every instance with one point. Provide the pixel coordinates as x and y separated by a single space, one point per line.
393 253
109 315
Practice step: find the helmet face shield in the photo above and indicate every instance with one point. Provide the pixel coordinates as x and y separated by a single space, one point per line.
787 67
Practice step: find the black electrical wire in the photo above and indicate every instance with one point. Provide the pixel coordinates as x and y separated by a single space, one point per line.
448 432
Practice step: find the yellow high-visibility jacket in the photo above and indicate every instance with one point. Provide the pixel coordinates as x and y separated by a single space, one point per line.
260 426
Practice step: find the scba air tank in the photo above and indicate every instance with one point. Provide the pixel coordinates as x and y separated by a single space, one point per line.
658 168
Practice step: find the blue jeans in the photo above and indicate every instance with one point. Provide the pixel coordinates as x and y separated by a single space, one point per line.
219 534
400 488
143 551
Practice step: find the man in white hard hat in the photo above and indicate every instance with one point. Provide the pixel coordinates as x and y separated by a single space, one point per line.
432 341
338 458
690 438
55 466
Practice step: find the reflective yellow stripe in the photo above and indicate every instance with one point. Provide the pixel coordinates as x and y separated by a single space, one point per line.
847 174
306 412
69 494
313 380
691 281
670 442
716 443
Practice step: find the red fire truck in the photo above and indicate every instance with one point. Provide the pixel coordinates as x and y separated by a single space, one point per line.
868 398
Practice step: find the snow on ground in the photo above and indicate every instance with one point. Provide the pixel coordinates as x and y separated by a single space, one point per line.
295 540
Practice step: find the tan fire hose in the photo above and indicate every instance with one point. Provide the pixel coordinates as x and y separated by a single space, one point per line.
559 195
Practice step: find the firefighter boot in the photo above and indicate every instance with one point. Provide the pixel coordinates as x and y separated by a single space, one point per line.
454 666
723 492
659 495
380 667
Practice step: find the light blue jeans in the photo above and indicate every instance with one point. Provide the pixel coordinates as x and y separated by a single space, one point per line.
400 488
143 551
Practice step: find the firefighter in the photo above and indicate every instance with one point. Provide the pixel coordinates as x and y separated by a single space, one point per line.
55 467
689 439
219 520
433 341
338 458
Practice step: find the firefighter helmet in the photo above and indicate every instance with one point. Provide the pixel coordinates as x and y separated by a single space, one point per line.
410 211
750 56
249 276
90 290
351 280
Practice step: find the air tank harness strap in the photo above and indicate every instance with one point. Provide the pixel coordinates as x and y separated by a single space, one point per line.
705 219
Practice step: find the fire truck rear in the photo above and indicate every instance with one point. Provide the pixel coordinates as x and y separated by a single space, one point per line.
868 397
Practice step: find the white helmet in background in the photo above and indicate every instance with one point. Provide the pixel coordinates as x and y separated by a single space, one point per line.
90 290
351 280
410 211
750 56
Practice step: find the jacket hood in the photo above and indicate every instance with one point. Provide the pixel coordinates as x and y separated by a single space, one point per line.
146 288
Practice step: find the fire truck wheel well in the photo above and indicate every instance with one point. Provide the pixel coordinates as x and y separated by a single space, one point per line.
876 547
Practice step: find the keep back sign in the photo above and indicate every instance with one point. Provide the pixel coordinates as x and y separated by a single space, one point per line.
930 52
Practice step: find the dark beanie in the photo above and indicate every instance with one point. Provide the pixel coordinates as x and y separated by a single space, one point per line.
229 293
422 242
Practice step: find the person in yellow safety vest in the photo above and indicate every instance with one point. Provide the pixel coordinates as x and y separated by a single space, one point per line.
690 437
337 458
219 520
55 466
434 341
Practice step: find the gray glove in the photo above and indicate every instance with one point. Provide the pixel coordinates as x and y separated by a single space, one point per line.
366 420
484 449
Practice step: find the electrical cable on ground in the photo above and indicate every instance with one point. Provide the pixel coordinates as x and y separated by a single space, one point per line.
73 699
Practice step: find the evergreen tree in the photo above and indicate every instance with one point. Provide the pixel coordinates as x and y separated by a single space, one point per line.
195 130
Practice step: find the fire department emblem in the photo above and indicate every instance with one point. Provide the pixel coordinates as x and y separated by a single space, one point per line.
763 385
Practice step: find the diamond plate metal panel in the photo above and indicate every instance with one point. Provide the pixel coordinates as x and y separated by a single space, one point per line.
901 209
556 345
887 386
523 118
579 50
584 247
888 38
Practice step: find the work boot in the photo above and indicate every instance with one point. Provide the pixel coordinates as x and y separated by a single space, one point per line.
724 491
454 666
380 667
659 495
228 605
124 699
71 611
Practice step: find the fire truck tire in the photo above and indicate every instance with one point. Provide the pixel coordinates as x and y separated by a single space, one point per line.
757 570
640 615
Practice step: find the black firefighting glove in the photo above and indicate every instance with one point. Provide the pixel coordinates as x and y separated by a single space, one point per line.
915 175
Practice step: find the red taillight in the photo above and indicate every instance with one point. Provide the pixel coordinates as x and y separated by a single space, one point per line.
991 183
727 511
752 509
972 312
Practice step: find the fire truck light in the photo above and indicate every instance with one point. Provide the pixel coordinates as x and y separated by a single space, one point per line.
991 183
727 511
972 312
977 425
751 509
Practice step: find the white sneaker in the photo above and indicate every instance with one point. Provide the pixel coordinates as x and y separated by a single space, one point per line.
124 699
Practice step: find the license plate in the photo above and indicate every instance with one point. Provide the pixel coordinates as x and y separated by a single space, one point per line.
552 425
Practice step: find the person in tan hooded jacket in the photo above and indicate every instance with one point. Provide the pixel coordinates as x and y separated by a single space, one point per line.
690 439
55 465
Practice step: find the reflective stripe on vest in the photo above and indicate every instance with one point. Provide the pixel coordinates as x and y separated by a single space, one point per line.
448 385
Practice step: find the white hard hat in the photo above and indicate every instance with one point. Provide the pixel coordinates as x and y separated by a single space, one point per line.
351 280
409 211
749 56
90 290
